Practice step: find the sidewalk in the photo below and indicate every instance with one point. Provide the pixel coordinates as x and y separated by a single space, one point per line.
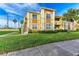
10 34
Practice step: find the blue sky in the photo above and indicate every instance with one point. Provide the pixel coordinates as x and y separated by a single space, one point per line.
60 7
14 10
20 9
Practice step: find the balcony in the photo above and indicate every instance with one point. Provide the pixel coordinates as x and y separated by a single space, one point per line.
57 23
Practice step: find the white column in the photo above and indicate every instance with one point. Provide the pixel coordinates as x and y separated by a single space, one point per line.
63 27
53 18
67 24
42 19
28 19
74 28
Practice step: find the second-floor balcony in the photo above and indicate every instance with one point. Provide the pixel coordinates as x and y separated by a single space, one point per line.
57 23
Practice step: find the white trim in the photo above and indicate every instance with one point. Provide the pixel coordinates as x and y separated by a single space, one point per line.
53 18
47 8
67 25
74 25
42 19
35 25
63 25
28 19
48 26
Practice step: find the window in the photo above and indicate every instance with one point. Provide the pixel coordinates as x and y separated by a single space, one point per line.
34 16
48 26
48 16
34 26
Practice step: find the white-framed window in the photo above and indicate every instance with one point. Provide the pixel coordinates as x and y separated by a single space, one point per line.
48 26
34 16
34 26
48 16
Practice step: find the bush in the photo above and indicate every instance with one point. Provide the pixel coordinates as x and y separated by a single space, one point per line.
48 31
77 30
63 30
19 30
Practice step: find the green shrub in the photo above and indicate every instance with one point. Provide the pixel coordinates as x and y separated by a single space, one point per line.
48 31
77 29
19 30
63 30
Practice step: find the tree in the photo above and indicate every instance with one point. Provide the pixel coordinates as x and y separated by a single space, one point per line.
14 21
21 22
71 15
77 13
7 19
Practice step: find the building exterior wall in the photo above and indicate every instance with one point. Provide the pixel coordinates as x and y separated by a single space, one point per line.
34 21
24 29
45 21
58 23
70 25
41 20
77 25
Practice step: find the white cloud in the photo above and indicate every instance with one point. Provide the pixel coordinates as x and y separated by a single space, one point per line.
9 9
3 23
11 24
16 8
19 9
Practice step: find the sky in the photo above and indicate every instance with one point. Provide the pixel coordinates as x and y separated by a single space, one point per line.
18 10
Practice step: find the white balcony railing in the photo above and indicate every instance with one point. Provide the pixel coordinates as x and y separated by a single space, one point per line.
57 22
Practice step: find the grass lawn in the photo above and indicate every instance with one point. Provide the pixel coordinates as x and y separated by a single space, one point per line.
12 43
5 32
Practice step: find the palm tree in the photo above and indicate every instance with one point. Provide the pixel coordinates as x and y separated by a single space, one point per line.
70 16
77 13
21 22
7 19
66 17
14 21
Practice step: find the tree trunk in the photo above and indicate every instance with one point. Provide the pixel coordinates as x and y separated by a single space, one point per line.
7 20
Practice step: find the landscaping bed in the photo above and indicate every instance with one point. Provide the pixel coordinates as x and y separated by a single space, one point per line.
13 43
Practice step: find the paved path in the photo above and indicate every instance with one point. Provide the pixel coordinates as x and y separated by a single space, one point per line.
64 48
10 34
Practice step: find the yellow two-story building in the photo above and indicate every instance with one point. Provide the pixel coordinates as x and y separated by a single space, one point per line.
39 21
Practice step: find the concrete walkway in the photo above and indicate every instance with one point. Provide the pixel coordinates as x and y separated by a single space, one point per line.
10 34
64 48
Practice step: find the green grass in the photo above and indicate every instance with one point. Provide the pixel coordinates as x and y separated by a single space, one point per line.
12 43
5 32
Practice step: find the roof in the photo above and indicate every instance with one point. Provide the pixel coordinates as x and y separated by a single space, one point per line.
40 9
58 16
33 11
47 8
